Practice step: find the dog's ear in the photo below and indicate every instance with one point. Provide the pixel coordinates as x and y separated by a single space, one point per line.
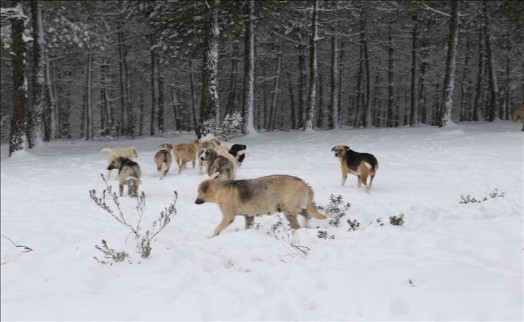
333 148
346 148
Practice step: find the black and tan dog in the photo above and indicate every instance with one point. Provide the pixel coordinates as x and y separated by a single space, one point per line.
163 159
128 174
264 195
239 152
218 166
363 165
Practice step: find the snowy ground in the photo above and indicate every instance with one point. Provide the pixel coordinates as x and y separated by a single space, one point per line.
450 261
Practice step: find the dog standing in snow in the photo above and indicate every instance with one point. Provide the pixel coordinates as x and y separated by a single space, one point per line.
363 165
114 153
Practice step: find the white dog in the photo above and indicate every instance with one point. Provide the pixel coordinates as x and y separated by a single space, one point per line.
114 153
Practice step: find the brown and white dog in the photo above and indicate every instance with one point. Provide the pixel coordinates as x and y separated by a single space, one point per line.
209 144
185 152
363 165
128 174
218 166
114 153
163 159
519 114
264 195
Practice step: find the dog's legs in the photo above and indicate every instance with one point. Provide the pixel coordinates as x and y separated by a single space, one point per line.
108 174
249 221
121 189
223 225
359 181
344 175
292 218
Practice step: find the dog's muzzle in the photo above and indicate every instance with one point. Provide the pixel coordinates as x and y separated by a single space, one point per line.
199 201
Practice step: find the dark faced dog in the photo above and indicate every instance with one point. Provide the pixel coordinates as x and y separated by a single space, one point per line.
363 165
239 152
128 174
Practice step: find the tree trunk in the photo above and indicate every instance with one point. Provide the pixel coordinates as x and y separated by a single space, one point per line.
413 98
89 97
444 113
313 72
492 69
248 106
154 84
334 121
465 96
209 104
17 135
477 110
276 91
160 105
35 117
391 99
124 93
301 87
193 97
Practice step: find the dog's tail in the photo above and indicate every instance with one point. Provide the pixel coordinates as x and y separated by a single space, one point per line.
372 168
312 211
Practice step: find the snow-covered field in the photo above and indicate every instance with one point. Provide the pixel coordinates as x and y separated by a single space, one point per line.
449 261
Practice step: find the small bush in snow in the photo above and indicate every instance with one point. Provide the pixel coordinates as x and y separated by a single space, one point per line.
336 209
283 232
143 238
231 127
397 221
469 199
353 224
323 234
110 253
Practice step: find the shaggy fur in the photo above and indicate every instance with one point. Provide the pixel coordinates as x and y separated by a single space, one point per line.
185 152
163 159
519 114
128 174
264 195
363 165
210 144
114 153
216 163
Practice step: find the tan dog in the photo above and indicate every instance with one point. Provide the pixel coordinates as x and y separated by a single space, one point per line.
519 114
363 165
185 152
163 159
264 195
114 153
217 165
128 174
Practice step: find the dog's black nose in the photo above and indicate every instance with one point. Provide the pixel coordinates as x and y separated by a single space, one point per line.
199 201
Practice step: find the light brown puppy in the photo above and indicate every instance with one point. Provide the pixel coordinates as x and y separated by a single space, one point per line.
217 165
114 153
264 195
185 152
363 165
163 159
519 114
